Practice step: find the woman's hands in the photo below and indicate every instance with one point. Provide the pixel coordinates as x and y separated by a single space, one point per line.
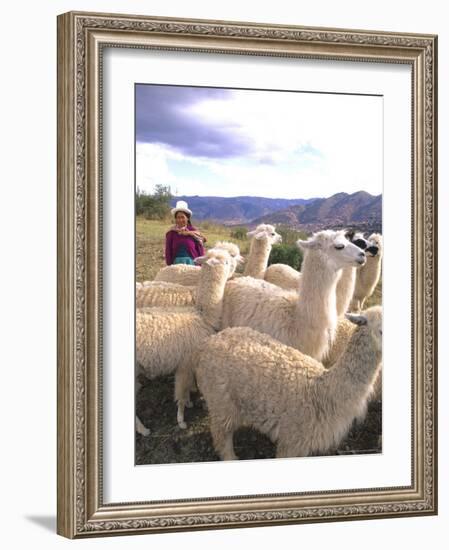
190 233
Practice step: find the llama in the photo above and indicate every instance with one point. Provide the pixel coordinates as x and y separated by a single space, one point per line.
343 334
188 275
262 240
346 283
162 293
369 275
250 379
288 278
305 320
166 337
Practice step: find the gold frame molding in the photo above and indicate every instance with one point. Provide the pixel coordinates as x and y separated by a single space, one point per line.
81 37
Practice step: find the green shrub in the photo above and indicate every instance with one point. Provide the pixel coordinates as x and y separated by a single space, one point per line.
289 235
286 254
156 205
239 233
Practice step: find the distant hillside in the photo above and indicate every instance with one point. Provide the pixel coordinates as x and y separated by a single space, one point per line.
236 210
358 209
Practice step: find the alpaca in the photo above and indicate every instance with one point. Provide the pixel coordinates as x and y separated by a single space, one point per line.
368 276
262 241
250 379
346 283
305 320
343 334
188 275
288 278
161 293
165 337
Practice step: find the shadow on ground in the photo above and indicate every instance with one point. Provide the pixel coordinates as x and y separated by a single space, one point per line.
46 522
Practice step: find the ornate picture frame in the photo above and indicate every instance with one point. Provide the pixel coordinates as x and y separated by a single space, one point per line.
82 40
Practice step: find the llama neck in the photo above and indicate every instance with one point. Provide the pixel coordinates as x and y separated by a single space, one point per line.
316 310
352 376
345 289
318 286
209 293
257 262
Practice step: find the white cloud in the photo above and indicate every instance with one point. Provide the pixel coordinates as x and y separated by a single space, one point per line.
302 145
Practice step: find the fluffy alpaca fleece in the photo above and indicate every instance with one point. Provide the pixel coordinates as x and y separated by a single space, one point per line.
368 276
262 240
166 337
345 289
343 334
188 275
283 276
250 379
305 320
180 274
161 294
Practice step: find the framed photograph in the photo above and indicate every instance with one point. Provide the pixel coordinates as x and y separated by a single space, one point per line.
247 274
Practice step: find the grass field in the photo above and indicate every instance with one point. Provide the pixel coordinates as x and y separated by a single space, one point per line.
167 443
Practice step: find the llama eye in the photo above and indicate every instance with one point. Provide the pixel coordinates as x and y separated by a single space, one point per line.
339 246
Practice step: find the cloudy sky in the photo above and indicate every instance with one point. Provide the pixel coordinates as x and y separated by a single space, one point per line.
223 142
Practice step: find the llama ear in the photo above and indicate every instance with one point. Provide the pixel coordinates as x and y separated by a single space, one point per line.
213 261
240 259
307 245
359 320
260 235
350 234
200 260
256 233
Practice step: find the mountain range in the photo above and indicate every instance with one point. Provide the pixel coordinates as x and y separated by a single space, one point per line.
359 209
236 210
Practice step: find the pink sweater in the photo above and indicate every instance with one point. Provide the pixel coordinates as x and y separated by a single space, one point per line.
173 240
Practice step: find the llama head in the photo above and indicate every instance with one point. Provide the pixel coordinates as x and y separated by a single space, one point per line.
357 238
218 261
334 248
265 232
375 245
371 320
233 251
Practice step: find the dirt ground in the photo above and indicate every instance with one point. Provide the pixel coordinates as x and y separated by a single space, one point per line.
167 443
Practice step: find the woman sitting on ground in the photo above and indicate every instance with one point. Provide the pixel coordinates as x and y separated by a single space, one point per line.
183 241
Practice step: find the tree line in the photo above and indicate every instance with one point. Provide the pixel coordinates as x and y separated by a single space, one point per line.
156 205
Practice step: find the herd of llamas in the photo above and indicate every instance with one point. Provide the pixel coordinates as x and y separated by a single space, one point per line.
291 354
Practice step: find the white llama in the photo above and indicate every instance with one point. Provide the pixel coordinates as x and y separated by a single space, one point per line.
166 337
250 379
188 275
305 320
369 275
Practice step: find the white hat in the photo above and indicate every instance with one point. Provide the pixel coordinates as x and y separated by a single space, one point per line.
181 206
